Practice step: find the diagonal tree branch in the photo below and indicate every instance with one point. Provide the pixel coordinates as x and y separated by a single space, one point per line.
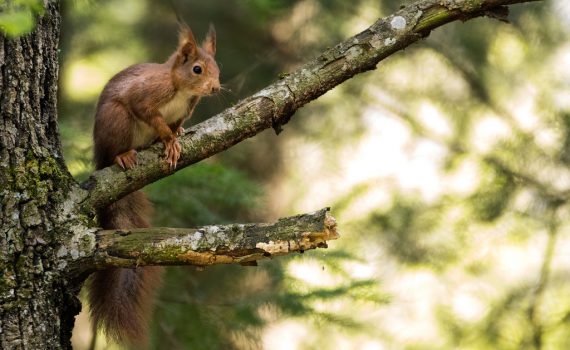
210 245
274 105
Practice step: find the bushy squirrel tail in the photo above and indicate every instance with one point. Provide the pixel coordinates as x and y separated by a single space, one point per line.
121 300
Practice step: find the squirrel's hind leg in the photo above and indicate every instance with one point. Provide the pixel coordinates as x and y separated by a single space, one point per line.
127 160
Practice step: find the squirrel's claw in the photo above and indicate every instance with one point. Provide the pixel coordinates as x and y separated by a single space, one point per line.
127 160
172 153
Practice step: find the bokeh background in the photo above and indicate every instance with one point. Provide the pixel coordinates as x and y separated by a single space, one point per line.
447 169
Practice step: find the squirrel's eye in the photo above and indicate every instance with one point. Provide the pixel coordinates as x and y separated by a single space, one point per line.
197 69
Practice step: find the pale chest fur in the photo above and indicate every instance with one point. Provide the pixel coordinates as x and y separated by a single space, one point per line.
176 108
173 110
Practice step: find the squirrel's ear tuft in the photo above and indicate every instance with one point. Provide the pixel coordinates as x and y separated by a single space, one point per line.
187 48
209 43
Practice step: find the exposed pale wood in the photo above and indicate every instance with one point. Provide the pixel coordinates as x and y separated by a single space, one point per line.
215 244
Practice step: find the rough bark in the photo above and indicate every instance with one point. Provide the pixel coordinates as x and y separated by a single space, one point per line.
274 105
37 305
215 244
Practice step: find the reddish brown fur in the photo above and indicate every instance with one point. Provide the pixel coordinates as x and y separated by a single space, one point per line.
141 104
121 299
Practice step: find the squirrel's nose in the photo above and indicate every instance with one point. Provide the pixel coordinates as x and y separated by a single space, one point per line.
215 88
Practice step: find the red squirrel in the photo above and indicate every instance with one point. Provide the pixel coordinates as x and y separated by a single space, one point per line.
139 105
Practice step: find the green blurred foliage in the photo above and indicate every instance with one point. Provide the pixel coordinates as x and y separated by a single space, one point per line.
407 230
447 169
494 195
228 307
18 17
205 194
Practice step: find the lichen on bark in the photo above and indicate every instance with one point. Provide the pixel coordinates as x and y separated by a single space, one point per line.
37 304
214 244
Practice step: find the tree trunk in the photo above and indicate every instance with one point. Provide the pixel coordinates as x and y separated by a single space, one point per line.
37 307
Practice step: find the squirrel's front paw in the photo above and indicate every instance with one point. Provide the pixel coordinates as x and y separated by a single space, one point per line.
127 160
172 152
180 131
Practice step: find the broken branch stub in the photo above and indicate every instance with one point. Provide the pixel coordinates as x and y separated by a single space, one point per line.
215 244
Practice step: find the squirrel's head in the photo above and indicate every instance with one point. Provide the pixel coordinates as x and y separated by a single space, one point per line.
195 68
